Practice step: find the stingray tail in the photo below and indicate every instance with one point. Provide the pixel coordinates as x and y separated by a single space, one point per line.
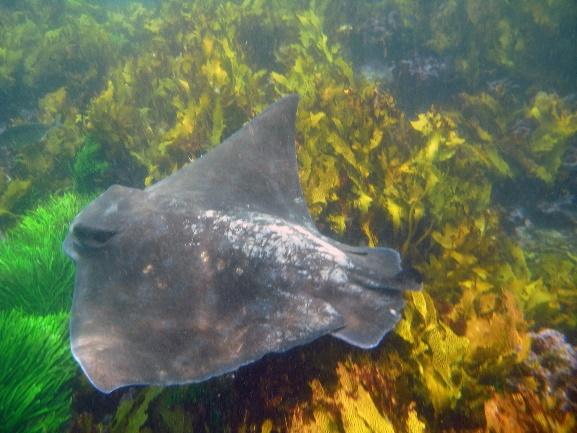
380 269
375 300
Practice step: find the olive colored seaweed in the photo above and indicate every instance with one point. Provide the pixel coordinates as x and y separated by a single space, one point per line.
351 409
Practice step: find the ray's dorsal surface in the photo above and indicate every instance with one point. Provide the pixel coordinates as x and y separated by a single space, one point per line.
217 265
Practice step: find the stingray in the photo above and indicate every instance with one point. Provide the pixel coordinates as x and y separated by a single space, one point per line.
218 265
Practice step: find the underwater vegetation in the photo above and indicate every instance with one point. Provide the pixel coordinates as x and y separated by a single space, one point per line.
34 169
36 370
454 130
523 33
89 168
36 281
35 275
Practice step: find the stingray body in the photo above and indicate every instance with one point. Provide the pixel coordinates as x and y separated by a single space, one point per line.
218 265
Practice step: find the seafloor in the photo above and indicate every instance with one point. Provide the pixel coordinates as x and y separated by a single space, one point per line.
444 129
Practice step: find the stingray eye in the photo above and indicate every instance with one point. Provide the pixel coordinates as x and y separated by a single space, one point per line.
92 237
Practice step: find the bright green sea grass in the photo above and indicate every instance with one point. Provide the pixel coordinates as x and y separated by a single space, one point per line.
35 369
35 274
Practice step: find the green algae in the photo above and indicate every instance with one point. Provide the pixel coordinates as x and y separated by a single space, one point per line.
35 275
89 169
36 370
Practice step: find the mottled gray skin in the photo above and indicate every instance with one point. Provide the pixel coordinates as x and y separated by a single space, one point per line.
218 265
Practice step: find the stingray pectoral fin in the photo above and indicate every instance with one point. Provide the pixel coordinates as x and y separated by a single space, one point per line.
368 314
255 167
120 342
293 320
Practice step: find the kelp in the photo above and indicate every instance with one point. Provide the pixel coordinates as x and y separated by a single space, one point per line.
554 124
46 45
522 31
531 138
548 255
39 167
53 59
431 378
438 351
542 397
171 410
165 106
350 409
524 411
132 413
12 191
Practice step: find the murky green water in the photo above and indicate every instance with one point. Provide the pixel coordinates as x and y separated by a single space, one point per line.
445 130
